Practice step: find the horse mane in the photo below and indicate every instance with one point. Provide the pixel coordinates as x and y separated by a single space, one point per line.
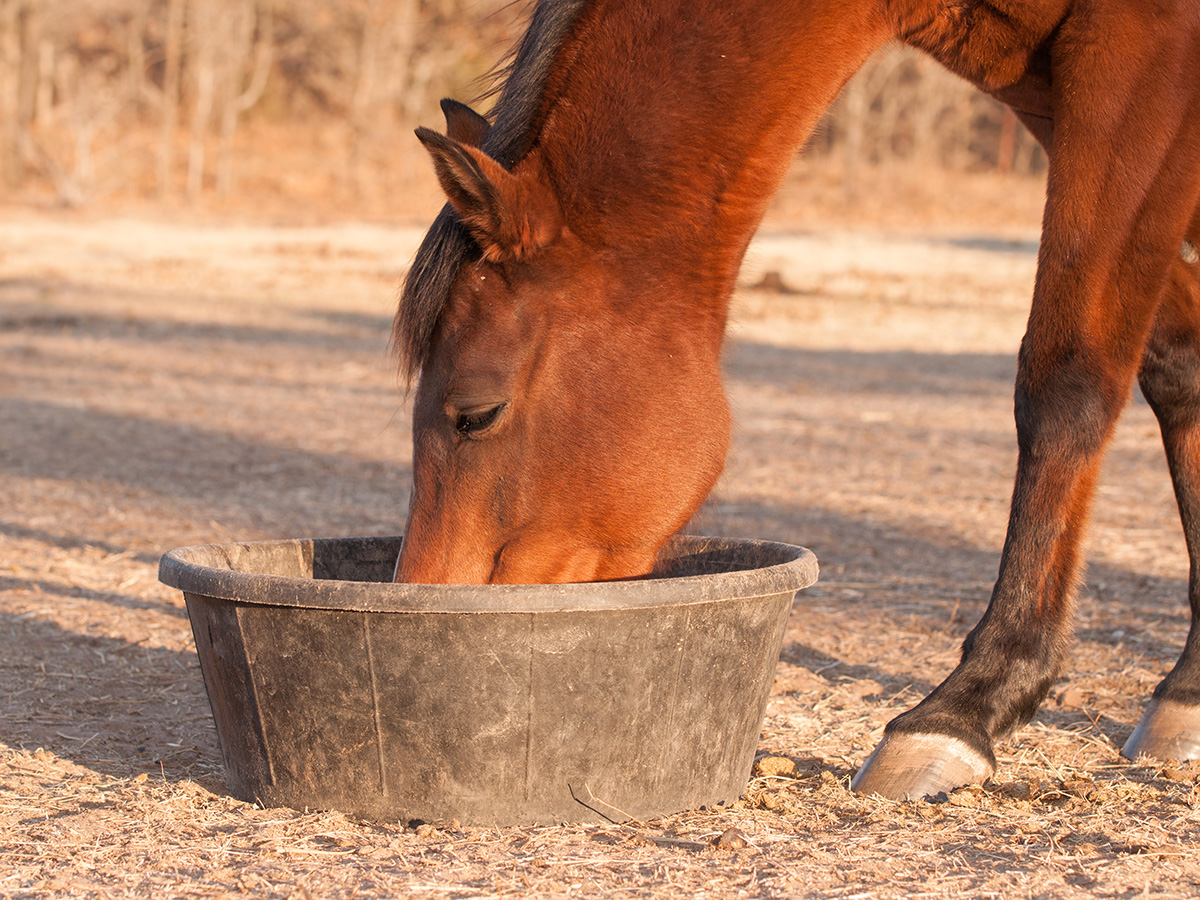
518 81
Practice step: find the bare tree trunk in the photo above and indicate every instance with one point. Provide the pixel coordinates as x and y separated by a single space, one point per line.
420 78
1006 152
135 73
205 78
173 46
31 36
204 16
854 109
10 91
258 18
929 104
399 56
43 106
85 107
881 94
362 100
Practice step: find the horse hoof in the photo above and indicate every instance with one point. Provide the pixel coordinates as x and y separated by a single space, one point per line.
915 766
1168 730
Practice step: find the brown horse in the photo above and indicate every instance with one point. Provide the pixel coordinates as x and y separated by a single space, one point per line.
566 311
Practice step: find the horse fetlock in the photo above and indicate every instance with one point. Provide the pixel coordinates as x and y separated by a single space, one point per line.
1001 682
915 765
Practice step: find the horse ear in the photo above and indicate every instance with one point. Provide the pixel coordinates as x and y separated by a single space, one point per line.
463 124
511 215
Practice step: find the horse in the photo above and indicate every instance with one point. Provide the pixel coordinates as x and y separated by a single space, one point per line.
565 314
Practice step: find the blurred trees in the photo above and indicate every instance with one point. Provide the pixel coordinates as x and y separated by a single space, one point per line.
903 108
148 97
182 98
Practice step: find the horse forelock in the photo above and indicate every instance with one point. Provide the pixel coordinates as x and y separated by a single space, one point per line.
447 245
426 289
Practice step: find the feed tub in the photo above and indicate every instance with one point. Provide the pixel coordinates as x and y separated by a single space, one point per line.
333 688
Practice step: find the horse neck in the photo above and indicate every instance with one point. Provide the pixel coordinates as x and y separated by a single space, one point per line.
668 124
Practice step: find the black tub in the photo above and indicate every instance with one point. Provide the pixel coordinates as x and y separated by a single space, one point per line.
334 689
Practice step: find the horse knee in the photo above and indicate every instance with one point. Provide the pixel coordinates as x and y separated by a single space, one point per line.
1170 372
1069 411
1170 381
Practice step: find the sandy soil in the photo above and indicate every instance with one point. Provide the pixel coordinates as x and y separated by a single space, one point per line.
164 384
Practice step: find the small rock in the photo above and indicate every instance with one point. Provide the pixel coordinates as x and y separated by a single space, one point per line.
1015 790
967 799
1080 787
775 766
1172 771
1072 697
730 839
770 801
772 281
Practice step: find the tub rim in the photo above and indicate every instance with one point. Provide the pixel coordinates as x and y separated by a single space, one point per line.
212 570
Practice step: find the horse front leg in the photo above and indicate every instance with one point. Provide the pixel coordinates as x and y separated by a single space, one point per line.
1066 406
1069 395
1170 380
1124 181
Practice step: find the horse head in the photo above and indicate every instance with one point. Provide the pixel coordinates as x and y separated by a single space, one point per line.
564 426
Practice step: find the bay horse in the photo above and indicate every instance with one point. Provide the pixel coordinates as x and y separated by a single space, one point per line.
566 311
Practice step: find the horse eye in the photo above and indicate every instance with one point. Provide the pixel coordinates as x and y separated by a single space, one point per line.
472 422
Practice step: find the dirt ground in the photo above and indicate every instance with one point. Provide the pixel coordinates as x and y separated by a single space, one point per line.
165 383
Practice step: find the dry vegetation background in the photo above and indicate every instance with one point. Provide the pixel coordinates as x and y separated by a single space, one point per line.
306 106
205 206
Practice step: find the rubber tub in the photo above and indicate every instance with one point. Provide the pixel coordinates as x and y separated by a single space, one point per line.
333 688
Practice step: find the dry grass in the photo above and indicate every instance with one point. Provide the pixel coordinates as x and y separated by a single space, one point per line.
163 384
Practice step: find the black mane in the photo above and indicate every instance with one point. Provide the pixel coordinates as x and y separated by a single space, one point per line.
447 245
